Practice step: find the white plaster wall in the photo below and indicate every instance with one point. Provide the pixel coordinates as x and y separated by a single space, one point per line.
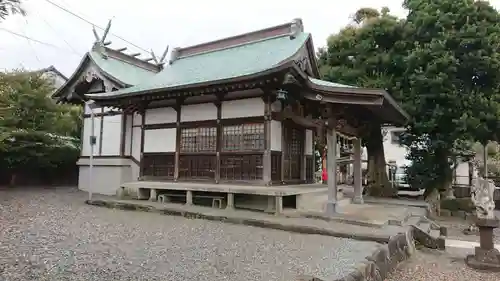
137 119
105 179
160 115
276 135
96 110
111 135
462 173
242 108
87 133
136 143
159 140
308 144
394 152
198 112
128 135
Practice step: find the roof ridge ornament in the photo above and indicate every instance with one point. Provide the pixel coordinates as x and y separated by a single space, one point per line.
159 62
100 42
296 27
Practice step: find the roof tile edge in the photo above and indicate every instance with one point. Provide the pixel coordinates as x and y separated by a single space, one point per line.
289 28
106 52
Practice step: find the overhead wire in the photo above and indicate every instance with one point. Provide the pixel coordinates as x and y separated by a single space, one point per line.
31 45
54 30
91 23
33 40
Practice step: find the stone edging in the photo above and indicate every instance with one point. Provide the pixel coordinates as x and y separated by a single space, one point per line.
237 220
382 261
377 266
457 214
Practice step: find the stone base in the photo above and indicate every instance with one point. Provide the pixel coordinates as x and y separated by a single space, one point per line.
484 260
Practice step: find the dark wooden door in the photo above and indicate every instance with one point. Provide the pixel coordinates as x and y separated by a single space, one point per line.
293 151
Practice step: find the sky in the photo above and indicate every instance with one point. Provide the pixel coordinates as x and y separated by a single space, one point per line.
154 24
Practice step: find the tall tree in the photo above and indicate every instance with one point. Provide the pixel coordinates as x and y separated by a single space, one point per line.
8 7
35 132
451 82
368 53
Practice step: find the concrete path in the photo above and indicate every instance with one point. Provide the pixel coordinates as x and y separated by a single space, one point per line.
292 224
451 243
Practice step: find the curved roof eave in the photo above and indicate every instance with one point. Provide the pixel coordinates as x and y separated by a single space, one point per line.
325 86
241 78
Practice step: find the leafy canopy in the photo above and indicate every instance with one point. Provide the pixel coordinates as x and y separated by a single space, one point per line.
8 7
34 130
451 81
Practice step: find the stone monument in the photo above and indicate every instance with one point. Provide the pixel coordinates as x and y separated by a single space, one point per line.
485 257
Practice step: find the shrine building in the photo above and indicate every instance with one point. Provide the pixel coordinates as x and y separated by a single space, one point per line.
242 113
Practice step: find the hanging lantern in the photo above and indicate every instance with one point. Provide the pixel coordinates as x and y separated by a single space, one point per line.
282 94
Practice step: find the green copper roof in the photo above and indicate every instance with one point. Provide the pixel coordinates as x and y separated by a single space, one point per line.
329 84
122 71
233 62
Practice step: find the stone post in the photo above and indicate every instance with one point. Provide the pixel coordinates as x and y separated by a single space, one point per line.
331 165
357 176
189 197
230 201
485 257
153 196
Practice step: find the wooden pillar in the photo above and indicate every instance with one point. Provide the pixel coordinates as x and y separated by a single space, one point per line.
283 146
266 173
303 158
357 175
218 143
101 131
123 134
178 108
143 123
331 159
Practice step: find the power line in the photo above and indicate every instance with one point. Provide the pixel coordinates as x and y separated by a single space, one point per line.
54 30
32 39
91 23
31 45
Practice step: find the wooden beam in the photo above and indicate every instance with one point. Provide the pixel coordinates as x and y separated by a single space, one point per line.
178 108
218 144
266 174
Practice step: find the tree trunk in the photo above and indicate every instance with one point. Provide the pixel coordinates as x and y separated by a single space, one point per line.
13 179
378 182
434 201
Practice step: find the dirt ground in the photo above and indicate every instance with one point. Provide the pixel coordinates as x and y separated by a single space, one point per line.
433 265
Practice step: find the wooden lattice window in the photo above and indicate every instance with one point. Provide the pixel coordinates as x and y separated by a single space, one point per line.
158 165
202 139
197 167
244 137
241 167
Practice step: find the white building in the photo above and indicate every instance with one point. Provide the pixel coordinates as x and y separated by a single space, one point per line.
229 114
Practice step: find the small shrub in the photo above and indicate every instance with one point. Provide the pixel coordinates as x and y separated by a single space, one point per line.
459 204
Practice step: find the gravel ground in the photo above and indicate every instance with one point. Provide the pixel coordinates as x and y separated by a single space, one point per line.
456 226
430 265
50 234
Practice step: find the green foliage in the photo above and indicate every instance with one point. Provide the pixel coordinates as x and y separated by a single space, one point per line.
458 204
368 53
442 62
8 7
35 132
451 82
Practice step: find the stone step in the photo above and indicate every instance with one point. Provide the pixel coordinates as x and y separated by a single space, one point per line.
427 232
